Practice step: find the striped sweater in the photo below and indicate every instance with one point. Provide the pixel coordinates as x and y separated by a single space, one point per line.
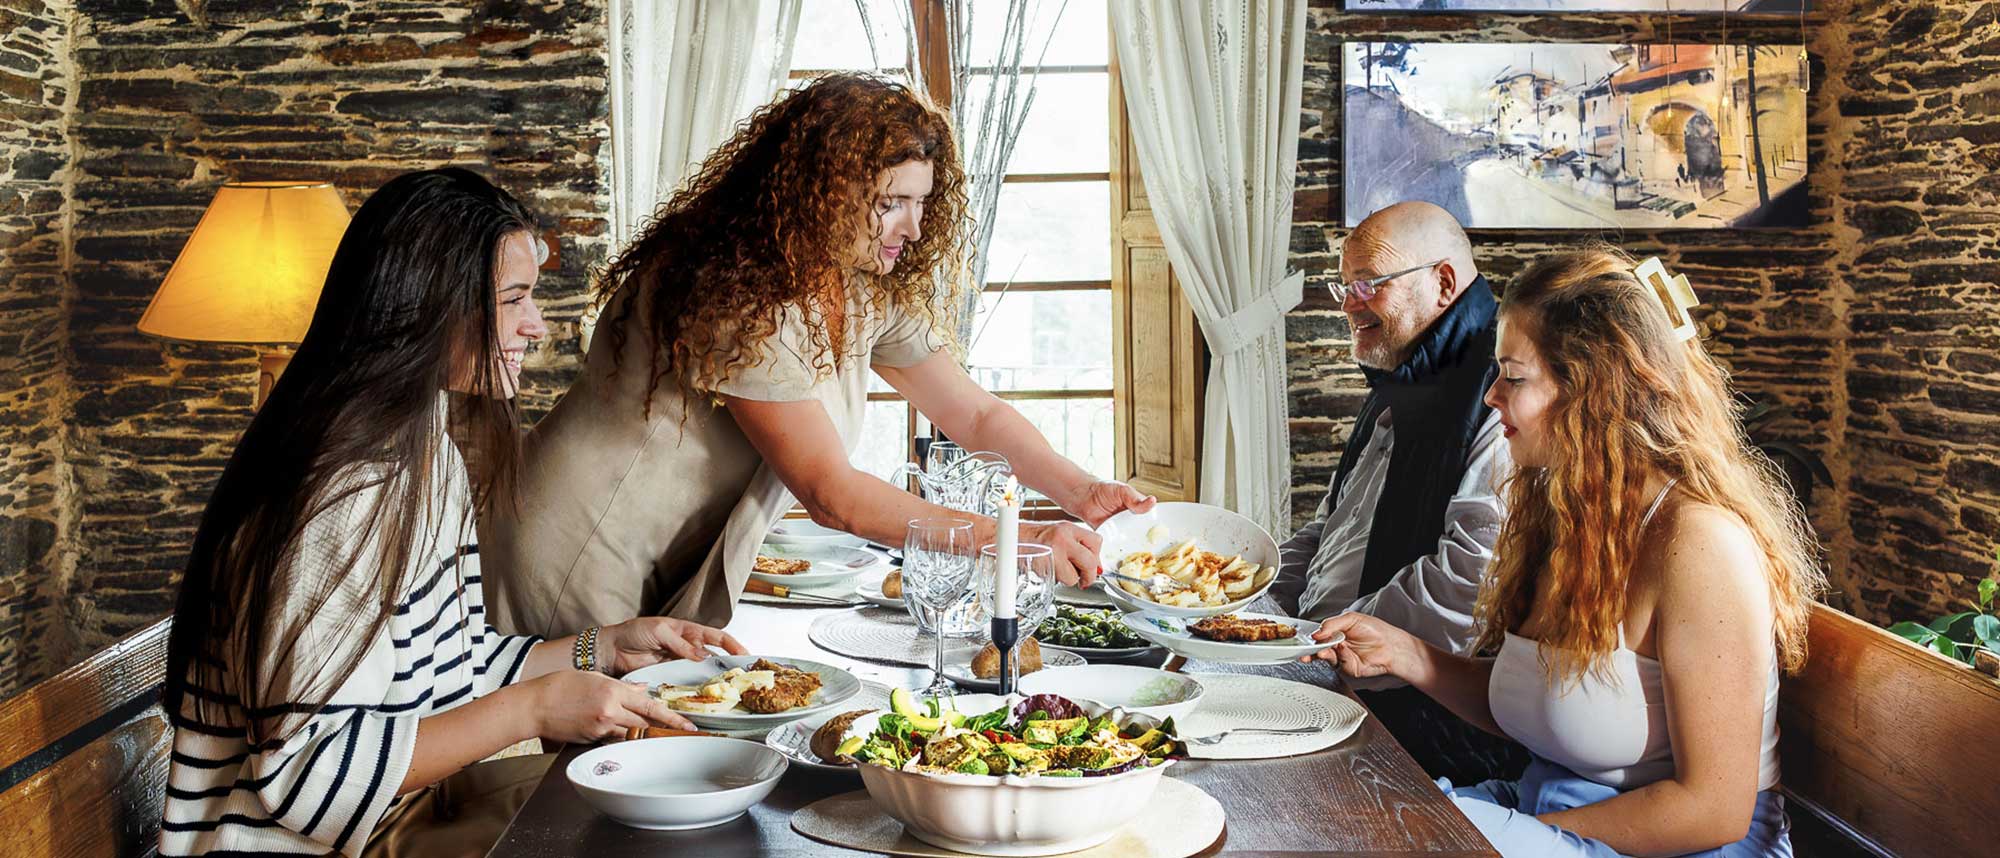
324 785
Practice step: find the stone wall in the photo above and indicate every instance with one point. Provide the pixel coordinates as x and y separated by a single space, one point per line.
37 87
1875 325
167 109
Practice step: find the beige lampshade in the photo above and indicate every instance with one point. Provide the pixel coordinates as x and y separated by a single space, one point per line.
252 271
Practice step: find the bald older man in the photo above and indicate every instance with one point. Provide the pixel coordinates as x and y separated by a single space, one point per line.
1407 528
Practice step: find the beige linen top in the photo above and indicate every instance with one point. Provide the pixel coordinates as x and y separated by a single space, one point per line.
623 514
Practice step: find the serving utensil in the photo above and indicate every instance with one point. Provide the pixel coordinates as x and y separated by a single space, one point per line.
1216 738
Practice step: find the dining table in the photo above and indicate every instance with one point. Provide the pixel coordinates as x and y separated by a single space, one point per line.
1362 797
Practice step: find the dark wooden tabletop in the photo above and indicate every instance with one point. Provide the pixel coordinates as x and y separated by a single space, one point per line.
1363 797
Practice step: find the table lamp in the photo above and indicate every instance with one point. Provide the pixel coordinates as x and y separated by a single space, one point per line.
252 271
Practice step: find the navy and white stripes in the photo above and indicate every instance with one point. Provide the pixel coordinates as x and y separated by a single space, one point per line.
326 784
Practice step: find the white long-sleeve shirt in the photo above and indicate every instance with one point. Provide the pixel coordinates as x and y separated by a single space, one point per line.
1319 573
322 787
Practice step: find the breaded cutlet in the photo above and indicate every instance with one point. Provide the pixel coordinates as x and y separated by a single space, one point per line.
790 689
1234 629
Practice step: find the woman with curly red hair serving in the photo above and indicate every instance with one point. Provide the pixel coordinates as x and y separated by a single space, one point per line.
1652 578
730 372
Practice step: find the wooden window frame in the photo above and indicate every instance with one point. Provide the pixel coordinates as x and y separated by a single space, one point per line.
1156 443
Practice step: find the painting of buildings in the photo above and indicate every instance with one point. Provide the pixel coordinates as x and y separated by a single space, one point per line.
1691 7
1585 136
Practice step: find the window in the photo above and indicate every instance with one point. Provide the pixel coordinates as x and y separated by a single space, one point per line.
1043 338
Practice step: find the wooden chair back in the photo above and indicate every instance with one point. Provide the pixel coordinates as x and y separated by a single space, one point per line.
1899 745
83 755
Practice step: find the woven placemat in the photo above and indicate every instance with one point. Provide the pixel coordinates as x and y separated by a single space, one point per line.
1180 820
876 634
1235 700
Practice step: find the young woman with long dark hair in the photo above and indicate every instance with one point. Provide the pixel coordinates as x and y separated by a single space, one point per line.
330 650
730 372
1651 580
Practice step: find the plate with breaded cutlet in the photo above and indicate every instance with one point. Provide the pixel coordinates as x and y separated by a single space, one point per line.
812 565
735 692
1238 638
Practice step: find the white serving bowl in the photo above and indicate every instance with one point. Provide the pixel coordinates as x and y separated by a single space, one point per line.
676 782
1139 690
1011 815
1212 528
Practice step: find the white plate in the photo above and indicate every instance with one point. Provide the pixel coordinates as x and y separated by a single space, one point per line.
830 563
1088 597
1144 690
958 665
1091 653
1171 632
871 589
794 740
836 686
804 531
1212 528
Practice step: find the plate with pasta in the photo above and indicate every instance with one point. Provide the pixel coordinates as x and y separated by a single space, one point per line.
1186 560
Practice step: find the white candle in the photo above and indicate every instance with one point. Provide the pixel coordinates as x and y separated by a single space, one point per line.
1008 539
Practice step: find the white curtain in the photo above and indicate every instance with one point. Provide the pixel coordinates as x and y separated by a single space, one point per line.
1212 87
683 74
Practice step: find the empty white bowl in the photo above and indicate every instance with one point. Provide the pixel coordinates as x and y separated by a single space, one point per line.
1138 690
676 782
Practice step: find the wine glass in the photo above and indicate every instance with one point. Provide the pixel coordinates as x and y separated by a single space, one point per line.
942 455
1034 582
937 570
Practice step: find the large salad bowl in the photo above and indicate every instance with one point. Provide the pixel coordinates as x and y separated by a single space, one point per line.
1013 814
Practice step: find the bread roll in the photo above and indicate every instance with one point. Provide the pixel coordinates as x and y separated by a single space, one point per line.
826 739
892 586
1027 659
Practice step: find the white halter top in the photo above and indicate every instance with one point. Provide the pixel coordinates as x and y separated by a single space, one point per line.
1614 733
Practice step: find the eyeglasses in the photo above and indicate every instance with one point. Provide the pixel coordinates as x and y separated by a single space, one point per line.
1367 289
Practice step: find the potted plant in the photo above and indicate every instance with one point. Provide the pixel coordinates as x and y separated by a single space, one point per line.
1971 636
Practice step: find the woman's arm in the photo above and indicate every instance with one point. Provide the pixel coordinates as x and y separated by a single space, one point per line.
1713 627
800 443
978 420
1374 647
565 706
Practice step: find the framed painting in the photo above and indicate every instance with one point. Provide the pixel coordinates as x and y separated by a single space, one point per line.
1682 7
1577 136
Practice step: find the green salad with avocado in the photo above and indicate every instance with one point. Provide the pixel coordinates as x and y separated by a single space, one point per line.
1046 735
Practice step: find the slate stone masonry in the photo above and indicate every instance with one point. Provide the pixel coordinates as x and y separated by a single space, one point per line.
164 111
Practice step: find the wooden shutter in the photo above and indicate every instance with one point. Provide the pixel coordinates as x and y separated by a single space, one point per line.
1158 359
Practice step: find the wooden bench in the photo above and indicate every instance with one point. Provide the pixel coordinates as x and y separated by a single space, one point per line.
83 755
1888 749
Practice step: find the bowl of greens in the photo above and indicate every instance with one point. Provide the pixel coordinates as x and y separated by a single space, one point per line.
993 775
1095 635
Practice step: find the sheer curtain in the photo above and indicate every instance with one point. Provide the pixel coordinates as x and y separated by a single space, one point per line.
1213 87
683 74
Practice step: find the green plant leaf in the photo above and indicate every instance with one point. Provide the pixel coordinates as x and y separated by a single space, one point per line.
1944 645
1943 625
1912 632
1986 628
1986 589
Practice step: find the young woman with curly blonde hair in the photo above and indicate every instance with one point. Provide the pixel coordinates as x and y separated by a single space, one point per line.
730 371
1651 580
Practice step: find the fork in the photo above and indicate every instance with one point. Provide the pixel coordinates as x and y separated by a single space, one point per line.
1215 738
